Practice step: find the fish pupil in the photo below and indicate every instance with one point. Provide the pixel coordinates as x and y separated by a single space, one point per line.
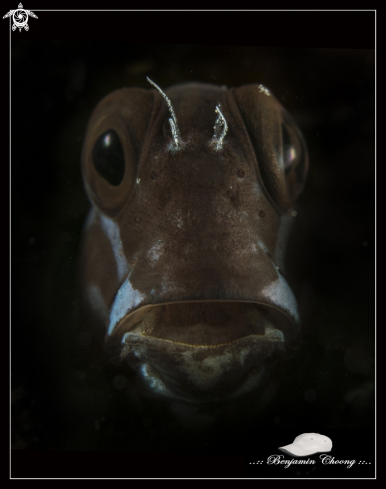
108 157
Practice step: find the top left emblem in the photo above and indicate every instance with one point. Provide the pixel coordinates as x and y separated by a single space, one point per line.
20 17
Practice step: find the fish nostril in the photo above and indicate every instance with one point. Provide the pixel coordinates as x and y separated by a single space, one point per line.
262 214
153 175
241 173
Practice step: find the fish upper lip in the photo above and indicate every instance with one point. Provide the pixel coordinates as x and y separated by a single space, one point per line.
134 325
276 298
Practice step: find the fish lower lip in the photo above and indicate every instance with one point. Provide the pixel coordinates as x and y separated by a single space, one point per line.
271 334
199 373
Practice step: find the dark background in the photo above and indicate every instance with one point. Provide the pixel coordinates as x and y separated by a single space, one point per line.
328 87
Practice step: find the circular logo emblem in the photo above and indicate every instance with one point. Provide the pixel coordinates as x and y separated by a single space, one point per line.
20 19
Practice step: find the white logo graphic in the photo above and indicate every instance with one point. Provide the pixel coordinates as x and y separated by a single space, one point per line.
20 17
308 444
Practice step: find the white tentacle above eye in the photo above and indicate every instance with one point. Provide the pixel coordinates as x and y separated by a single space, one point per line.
220 124
173 120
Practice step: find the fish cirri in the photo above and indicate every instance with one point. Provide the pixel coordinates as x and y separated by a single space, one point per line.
192 193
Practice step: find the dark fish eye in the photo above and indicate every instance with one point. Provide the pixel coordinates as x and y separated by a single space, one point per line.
108 157
294 153
289 150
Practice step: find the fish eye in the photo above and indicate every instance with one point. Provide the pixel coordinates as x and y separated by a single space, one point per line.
108 157
114 136
293 152
289 150
280 150
109 165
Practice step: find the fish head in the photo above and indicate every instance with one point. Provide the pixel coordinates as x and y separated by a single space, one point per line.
183 250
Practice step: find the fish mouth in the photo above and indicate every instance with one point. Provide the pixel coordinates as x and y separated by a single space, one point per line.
202 350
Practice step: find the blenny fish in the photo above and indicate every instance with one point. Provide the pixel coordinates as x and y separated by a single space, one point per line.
192 192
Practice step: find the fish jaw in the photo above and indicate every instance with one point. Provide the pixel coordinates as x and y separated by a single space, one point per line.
198 362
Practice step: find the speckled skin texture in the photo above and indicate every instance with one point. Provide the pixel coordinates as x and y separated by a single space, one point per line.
198 232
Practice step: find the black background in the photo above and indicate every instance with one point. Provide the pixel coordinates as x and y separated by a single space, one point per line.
321 66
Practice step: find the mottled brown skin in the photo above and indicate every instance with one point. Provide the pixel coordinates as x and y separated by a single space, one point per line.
188 250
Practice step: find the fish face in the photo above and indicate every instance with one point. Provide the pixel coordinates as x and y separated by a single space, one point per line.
183 250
